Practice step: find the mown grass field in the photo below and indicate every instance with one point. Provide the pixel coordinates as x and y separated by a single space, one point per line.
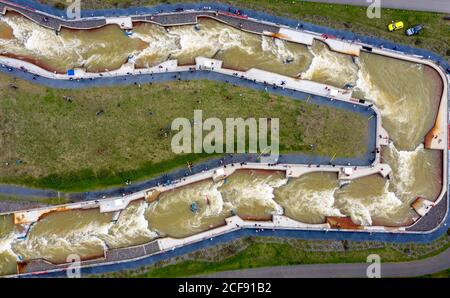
435 37
262 252
55 139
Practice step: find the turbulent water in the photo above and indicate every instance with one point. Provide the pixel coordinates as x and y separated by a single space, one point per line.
60 234
237 49
95 50
251 193
171 214
309 198
407 95
86 233
132 228
332 68
375 201
248 194
7 256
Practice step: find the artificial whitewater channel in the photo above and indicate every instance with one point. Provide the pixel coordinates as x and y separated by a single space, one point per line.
407 93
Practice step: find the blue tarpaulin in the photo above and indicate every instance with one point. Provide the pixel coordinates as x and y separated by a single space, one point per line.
71 72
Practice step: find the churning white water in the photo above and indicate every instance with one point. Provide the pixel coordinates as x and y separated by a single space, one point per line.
404 92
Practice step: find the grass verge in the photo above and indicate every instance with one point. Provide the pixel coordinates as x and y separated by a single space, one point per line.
74 140
435 37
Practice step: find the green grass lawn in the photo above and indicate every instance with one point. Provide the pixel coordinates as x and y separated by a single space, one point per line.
435 37
442 274
262 252
48 141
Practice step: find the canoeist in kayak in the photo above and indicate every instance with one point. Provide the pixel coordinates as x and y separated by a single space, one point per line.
194 207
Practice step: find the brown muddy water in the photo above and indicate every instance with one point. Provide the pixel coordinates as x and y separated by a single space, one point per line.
407 95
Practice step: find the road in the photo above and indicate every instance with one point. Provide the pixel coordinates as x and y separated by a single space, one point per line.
422 5
434 264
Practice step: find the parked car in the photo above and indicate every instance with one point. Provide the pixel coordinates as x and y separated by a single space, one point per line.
414 30
395 26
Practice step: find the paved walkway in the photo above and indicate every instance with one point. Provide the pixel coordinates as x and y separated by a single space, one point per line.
431 265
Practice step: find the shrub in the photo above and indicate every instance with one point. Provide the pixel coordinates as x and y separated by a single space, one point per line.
59 5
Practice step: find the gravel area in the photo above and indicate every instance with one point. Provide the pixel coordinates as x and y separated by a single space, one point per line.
433 218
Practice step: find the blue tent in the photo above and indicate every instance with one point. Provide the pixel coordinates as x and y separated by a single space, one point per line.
71 72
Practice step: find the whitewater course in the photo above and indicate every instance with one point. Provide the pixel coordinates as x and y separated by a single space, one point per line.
398 188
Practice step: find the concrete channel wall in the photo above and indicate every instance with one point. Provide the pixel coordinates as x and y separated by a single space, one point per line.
236 227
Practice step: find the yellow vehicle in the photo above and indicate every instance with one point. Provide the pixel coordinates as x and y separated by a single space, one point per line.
395 26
